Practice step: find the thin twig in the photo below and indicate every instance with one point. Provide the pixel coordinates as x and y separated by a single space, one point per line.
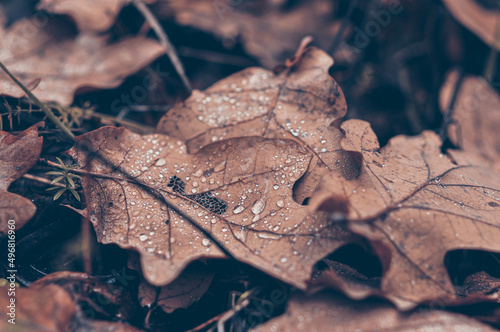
42 180
42 106
165 42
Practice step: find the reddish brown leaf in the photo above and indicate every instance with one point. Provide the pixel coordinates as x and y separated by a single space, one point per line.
331 312
414 205
147 194
474 120
65 63
17 155
301 103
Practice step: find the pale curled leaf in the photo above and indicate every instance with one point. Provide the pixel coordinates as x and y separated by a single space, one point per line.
414 205
475 120
66 63
17 155
302 103
481 20
331 312
235 194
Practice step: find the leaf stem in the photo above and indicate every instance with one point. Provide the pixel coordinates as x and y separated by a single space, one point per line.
165 42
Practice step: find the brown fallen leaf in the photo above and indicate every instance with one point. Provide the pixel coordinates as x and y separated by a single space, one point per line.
105 299
92 16
89 15
17 155
63 63
45 309
267 29
331 312
49 308
302 103
414 205
188 288
476 17
475 120
147 194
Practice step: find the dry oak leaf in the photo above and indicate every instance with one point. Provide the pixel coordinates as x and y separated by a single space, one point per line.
267 29
18 154
414 205
478 17
146 193
188 288
332 312
475 120
63 63
302 103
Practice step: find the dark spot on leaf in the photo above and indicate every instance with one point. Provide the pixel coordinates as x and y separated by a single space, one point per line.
493 204
206 199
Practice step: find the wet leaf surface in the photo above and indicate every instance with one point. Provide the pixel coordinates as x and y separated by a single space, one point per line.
414 204
301 103
233 197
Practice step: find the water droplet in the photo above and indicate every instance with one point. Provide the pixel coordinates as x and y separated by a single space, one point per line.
238 209
259 206
283 260
143 237
268 236
206 242
280 203
213 221
161 162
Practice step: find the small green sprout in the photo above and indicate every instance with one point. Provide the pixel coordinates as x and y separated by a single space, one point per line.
66 175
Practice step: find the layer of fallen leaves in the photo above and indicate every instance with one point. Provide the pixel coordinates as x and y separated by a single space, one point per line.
18 153
54 63
212 188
